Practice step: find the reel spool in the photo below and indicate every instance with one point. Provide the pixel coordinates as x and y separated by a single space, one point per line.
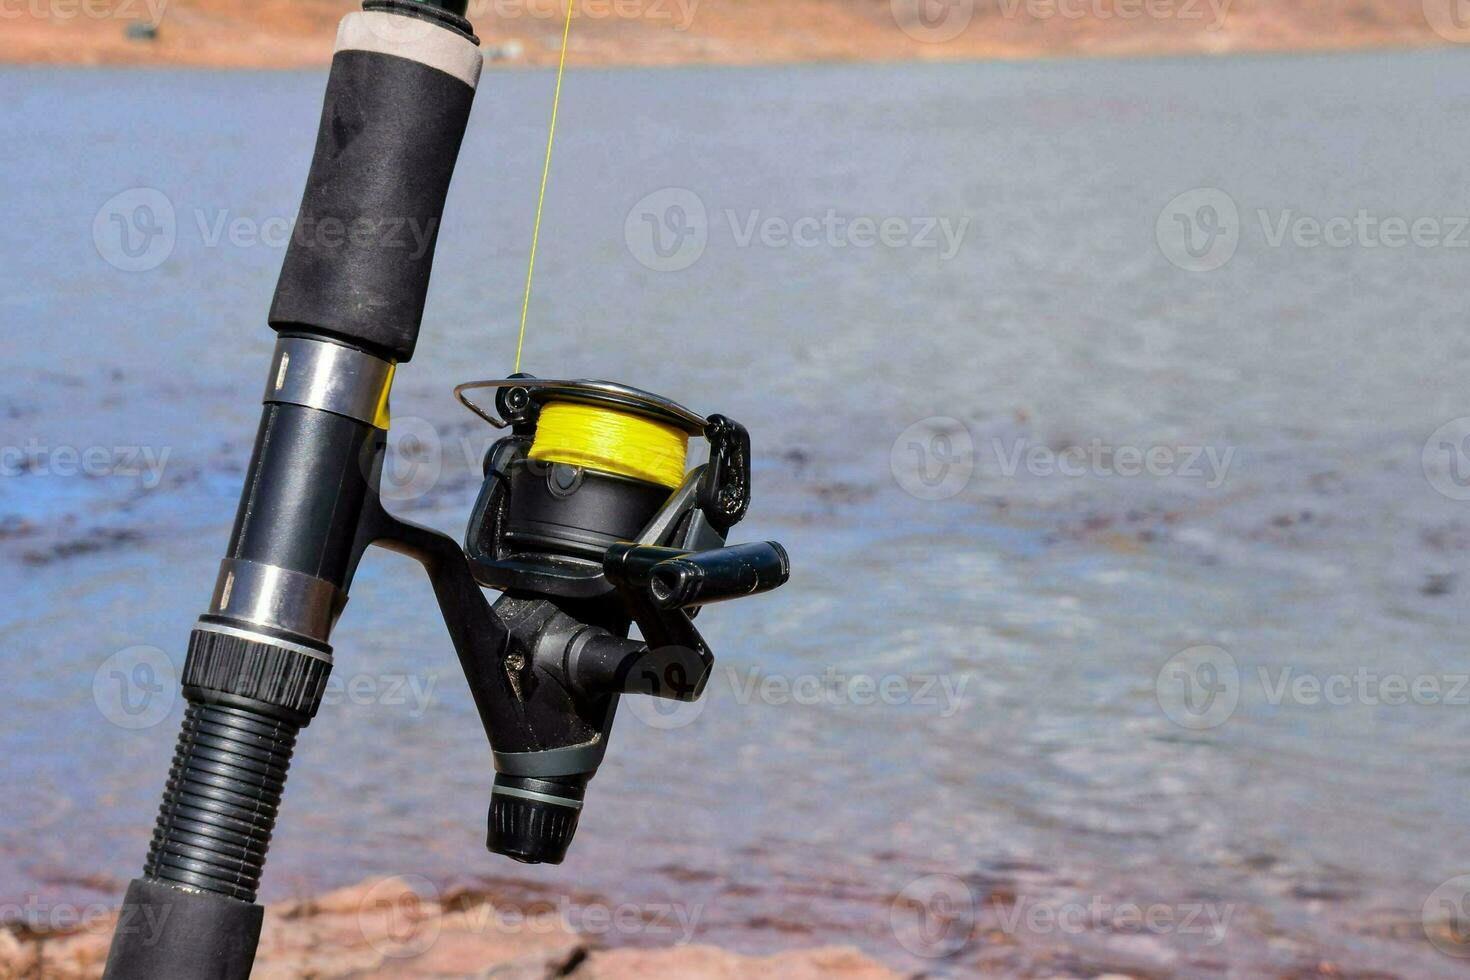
590 464
611 441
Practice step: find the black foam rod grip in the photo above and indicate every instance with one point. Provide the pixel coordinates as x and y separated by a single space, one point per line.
397 103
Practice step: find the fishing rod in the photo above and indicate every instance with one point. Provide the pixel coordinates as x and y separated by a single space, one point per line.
587 523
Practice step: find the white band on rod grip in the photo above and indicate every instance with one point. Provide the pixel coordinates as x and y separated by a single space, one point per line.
417 40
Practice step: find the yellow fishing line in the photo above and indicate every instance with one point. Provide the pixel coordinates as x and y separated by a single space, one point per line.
561 67
612 442
585 435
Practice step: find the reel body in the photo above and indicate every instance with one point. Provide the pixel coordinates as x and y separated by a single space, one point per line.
586 529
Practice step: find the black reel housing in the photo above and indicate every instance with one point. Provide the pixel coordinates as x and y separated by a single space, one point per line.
581 555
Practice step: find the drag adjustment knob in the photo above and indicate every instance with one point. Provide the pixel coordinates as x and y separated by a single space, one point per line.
533 820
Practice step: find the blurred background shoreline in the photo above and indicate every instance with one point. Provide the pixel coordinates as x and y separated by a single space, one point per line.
272 34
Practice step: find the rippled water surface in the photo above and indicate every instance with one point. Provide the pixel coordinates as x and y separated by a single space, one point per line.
1021 621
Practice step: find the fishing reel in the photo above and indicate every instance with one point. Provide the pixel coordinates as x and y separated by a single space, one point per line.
587 523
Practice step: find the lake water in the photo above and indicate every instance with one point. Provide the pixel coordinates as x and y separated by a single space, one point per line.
1018 469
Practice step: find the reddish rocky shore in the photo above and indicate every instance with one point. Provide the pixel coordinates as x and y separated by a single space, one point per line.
387 928
300 33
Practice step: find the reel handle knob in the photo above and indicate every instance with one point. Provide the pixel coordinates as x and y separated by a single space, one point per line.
704 577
